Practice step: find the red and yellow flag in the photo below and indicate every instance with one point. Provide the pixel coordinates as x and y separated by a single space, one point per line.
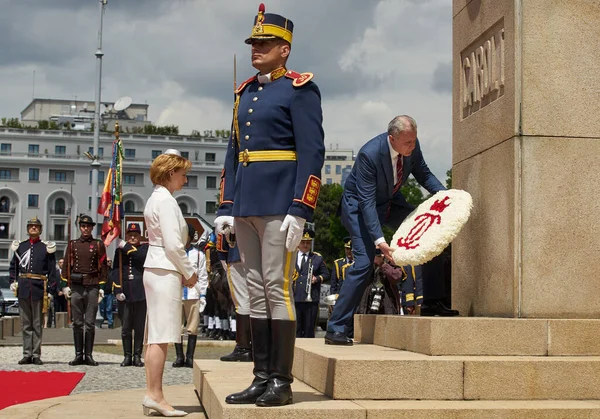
110 205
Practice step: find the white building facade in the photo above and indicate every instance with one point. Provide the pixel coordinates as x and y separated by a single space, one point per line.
44 173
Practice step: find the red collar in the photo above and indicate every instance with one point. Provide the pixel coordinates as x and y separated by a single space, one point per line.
34 241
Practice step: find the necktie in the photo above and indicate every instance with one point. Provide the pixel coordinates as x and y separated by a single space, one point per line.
398 173
303 261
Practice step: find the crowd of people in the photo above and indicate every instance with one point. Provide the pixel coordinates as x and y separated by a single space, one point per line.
257 276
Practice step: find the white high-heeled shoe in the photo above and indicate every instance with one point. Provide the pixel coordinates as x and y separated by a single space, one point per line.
149 404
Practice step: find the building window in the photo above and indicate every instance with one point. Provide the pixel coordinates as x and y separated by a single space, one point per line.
100 177
211 182
60 150
59 206
329 181
327 169
129 206
184 208
129 179
59 232
60 176
34 150
156 153
130 153
3 254
210 157
3 230
32 200
211 207
5 204
348 167
338 169
185 155
5 174
100 151
5 149
192 182
34 175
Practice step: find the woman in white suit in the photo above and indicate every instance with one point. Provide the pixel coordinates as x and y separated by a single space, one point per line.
167 268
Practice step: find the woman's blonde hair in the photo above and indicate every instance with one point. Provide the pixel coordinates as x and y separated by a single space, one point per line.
163 165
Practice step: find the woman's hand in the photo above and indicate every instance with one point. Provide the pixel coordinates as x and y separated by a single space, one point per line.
191 281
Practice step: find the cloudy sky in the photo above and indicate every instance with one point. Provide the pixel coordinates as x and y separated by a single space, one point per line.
372 59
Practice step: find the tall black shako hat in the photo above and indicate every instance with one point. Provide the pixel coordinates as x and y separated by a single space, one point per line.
270 26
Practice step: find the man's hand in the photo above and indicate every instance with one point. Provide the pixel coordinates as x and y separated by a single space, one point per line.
314 279
386 250
191 281
202 303
223 221
121 243
101 292
294 226
67 292
120 297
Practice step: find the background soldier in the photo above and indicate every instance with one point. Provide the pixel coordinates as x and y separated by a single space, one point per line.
127 276
307 309
85 258
338 274
271 182
32 265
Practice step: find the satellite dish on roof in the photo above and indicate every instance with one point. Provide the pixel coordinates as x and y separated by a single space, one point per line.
122 103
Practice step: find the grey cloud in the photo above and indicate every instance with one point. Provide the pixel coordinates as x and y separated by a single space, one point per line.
442 78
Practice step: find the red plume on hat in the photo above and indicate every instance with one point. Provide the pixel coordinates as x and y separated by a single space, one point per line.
261 8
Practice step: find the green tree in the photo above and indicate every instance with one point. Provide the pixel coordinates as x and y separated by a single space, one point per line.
45 124
412 192
11 123
329 231
449 179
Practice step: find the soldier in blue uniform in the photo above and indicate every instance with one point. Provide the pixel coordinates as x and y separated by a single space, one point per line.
230 258
33 264
127 276
338 273
270 185
307 309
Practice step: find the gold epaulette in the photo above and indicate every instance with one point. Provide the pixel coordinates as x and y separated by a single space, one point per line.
299 79
242 86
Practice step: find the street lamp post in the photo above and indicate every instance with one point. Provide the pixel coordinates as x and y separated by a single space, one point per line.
95 163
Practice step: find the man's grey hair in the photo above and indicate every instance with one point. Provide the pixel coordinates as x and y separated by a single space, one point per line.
400 124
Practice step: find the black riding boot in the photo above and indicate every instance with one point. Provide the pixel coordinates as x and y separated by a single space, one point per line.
261 341
180 360
78 342
127 362
138 346
243 347
283 339
89 348
189 353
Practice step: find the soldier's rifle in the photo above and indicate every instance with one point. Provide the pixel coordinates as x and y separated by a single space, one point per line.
69 258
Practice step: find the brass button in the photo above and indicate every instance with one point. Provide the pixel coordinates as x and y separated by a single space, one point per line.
260 88
247 137
250 110
248 123
254 99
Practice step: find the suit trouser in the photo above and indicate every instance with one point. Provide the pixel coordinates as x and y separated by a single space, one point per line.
84 306
134 318
307 319
31 316
268 265
238 286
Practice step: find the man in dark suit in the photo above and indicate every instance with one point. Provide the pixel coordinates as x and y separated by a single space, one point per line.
372 198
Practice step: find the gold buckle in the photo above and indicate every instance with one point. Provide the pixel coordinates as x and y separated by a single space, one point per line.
245 157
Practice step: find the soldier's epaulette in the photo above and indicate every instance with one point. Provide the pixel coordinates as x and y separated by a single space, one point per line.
242 86
299 80
318 254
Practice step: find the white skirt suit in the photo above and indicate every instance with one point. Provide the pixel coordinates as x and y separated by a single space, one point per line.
166 266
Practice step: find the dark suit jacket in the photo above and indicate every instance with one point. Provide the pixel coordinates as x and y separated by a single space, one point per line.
368 191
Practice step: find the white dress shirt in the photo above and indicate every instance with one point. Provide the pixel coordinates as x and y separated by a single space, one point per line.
299 261
395 156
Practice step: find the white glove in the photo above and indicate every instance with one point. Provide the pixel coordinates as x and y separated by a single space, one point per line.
294 226
101 292
15 245
223 221
50 247
202 304
13 286
121 243
121 297
67 292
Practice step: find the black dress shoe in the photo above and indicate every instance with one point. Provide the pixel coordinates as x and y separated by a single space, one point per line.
37 361
25 360
337 338
437 308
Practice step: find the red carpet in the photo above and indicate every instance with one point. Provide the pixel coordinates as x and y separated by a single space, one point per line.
18 387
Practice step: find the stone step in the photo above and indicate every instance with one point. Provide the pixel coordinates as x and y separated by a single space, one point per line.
374 372
214 380
481 335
